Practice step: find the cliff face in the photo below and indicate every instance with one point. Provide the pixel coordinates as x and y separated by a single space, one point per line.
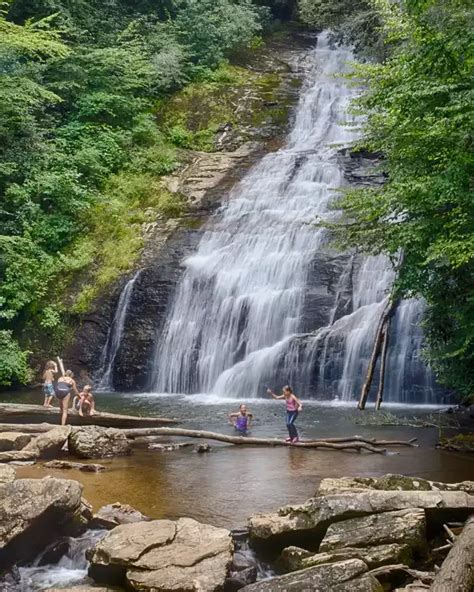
262 113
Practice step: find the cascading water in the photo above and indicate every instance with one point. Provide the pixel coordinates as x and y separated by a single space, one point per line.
238 316
114 337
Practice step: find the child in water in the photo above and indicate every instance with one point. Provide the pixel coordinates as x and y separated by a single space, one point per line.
241 420
50 370
293 406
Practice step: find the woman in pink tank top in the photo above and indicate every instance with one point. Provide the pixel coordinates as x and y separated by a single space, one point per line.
293 406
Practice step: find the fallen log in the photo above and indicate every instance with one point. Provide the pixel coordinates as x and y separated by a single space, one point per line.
25 413
249 441
457 570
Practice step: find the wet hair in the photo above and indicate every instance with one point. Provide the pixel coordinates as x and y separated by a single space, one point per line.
50 365
288 388
69 373
242 405
88 387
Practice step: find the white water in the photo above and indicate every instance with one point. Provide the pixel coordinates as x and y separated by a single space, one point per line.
114 337
238 310
69 570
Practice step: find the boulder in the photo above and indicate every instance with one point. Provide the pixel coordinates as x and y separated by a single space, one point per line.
13 441
7 474
50 443
294 558
163 556
85 588
67 464
389 482
406 527
98 442
115 514
313 517
202 447
350 576
33 513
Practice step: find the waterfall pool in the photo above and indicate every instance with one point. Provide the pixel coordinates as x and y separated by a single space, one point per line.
230 483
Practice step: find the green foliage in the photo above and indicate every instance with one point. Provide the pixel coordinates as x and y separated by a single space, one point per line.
13 361
81 152
418 110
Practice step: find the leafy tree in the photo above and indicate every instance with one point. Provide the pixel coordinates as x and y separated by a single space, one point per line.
418 113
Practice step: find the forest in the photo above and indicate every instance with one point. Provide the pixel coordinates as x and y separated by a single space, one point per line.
81 149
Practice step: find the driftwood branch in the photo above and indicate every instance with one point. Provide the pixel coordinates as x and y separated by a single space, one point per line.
457 570
350 444
20 413
383 361
387 312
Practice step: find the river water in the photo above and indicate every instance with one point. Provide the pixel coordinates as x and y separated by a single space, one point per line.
230 483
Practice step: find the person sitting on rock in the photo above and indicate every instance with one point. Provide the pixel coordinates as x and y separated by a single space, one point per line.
241 420
86 404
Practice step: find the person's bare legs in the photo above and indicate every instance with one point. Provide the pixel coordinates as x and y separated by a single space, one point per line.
64 404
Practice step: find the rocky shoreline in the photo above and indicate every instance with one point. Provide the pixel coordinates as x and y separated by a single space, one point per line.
367 534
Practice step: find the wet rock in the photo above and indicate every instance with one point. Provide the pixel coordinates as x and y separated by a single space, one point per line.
163 555
7 474
67 464
13 441
11 580
86 588
170 446
50 443
294 558
350 576
403 527
202 447
115 514
239 579
312 517
98 442
33 513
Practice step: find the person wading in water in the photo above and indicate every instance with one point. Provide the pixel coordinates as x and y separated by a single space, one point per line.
64 387
241 420
293 406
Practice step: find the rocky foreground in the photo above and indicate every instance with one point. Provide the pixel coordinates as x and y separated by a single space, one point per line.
355 534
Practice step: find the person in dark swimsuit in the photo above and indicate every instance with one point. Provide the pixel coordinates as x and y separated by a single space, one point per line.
241 420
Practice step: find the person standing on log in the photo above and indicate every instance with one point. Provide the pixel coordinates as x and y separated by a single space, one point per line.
64 387
293 406
50 370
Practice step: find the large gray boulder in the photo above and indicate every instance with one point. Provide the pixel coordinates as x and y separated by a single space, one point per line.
317 513
389 482
33 512
13 441
50 443
400 527
164 556
344 576
97 442
294 558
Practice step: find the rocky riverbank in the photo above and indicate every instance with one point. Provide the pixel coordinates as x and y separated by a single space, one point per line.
367 534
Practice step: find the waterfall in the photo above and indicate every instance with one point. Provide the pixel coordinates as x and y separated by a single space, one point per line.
238 318
114 337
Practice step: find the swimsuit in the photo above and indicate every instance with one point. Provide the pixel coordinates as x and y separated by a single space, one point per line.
48 389
241 423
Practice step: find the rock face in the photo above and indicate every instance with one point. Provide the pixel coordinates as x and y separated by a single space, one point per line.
313 517
97 442
344 576
7 474
13 441
402 527
50 443
164 556
33 512
115 514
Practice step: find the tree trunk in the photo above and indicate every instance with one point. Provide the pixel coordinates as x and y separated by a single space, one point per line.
26 413
386 314
457 571
383 359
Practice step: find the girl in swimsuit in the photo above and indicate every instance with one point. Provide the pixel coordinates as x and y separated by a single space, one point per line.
293 406
65 386
48 376
241 420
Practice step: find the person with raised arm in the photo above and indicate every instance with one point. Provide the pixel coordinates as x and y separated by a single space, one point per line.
293 406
